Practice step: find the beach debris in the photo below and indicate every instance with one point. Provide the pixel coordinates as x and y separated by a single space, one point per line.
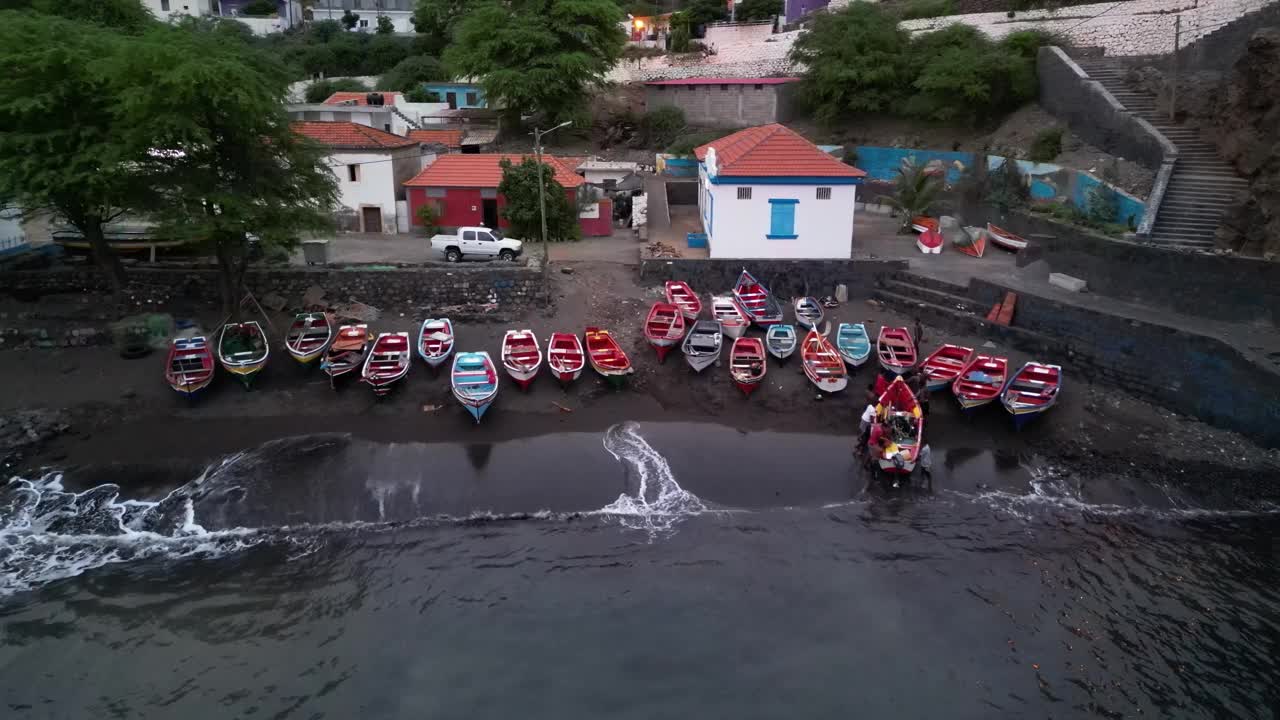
357 310
659 249
566 270
431 408
562 408
873 302
842 293
274 301
989 344
313 297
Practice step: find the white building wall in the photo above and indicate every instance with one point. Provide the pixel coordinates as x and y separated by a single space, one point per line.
739 228
374 185
177 8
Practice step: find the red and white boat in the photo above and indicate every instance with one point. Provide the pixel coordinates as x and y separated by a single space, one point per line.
756 300
607 356
904 426
896 349
189 368
435 341
1031 391
308 336
565 357
929 242
521 356
1005 239
347 352
682 296
924 223
664 328
943 365
733 321
388 362
980 382
822 363
747 365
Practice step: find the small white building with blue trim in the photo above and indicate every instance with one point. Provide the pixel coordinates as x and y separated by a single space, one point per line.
766 192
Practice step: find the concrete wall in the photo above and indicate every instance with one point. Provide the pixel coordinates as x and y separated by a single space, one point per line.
740 228
1218 287
786 278
1094 114
174 9
375 185
724 105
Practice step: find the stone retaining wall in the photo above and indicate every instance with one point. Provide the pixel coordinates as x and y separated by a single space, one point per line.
786 278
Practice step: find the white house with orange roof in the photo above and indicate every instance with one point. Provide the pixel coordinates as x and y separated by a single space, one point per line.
766 192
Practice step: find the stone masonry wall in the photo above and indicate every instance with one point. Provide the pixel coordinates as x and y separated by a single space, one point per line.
786 278
730 106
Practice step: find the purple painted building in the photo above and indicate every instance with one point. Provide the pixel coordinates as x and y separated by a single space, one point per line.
796 9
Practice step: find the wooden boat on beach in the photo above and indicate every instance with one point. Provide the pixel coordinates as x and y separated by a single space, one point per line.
1031 391
747 364
756 300
822 363
682 296
853 343
980 382
896 349
189 367
388 362
781 341
565 357
809 312
702 345
733 320
347 352
474 381
1005 239
243 350
435 341
924 223
943 366
521 356
308 336
664 328
607 356
904 425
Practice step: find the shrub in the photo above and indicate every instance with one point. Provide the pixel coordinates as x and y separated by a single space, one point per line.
428 216
385 26
1027 43
663 125
966 77
1102 205
1006 187
916 9
681 39
319 91
1046 146
758 10
857 60
411 73
636 52
685 144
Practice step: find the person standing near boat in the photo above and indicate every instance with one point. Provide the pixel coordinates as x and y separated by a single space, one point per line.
925 460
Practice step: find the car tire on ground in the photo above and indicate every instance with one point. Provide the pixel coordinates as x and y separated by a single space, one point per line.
453 254
506 255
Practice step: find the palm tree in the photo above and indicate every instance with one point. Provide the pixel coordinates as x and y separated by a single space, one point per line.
914 191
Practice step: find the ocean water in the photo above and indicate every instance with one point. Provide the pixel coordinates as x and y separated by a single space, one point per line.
650 571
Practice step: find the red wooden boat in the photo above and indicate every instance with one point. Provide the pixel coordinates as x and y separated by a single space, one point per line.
980 382
682 296
1005 239
822 363
565 357
189 368
607 356
347 352
1031 391
664 328
943 365
756 300
929 242
924 223
308 337
904 425
521 356
975 248
388 362
747 365
896 349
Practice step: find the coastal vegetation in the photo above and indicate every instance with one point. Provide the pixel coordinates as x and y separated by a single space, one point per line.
520 188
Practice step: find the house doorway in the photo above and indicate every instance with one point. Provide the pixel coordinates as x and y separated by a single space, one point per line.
452 99
371 219
489 206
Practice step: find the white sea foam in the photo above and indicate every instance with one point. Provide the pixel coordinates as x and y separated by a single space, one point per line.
656 502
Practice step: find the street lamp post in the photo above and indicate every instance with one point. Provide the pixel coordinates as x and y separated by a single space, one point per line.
542 195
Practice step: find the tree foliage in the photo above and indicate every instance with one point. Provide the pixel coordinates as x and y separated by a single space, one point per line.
435 20
758 10
385 26
855 62
127 15
350 20
538 55
700 12
519 187
914 190
662 126
1007 187
409 74
320 90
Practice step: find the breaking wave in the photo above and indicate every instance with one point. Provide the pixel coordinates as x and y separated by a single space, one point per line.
653 501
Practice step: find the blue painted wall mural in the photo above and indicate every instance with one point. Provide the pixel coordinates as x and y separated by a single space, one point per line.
882 163
1054 183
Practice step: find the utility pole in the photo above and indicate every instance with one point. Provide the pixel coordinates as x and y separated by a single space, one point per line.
542 195
1173 86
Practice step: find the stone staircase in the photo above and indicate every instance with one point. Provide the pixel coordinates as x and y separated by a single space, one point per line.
1202 186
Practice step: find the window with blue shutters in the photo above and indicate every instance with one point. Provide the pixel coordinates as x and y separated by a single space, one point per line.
782 219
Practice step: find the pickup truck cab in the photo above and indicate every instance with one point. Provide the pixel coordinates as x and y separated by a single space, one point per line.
476 242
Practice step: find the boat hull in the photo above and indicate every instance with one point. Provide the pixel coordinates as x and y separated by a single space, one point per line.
245 373
747 387
474 406
734 331
830 385
523 378
854 361
308 358
889 466
939 384
1023 416
190 390
971 405
567 376
662 348
613 378
701 362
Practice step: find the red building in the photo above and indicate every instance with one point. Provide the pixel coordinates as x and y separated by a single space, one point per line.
464 191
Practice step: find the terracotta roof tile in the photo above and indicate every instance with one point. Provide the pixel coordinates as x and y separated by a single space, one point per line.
483 171
448 138
351 136
773 151
362 98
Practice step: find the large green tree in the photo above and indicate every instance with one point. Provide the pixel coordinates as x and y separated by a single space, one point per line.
965 76
224 163
435 20
538 55
855 62
411 73
127 15
62 147
758 10
519 187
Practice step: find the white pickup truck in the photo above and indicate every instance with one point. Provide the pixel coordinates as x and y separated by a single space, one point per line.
476 242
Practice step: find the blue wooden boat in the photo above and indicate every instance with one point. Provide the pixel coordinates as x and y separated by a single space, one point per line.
475 382
1031 391
853 343
781 340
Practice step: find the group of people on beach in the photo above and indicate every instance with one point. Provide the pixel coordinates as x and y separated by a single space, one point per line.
879 425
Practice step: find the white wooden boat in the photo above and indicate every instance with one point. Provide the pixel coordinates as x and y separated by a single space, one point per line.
702 344
521 356
733 321
565 357
781 341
